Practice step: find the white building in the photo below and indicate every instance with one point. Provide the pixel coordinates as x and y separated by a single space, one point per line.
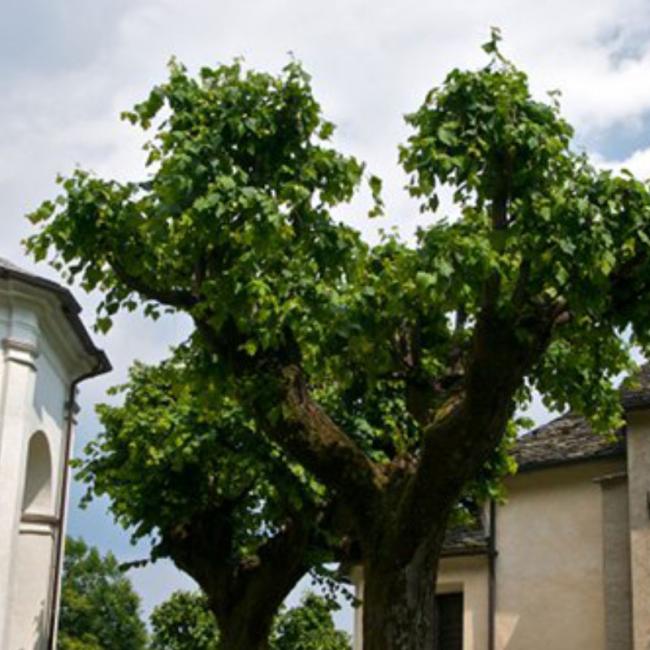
45 352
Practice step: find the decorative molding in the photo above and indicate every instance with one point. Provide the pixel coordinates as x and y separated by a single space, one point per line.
21 352
44 530
37 518
32 523
20 346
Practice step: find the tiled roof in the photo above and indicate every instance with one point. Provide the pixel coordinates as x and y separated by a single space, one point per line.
466 540
566 439
635 392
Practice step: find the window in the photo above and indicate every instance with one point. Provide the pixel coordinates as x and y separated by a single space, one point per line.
38 479
449 613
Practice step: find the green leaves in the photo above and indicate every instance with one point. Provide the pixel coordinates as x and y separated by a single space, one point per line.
99 608
184 622
181 447
308 626
233 226
492 46
239 185
375 184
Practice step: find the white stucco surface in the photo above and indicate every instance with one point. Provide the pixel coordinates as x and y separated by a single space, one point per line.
41 356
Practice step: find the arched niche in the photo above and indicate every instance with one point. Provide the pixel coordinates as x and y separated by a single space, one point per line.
37 497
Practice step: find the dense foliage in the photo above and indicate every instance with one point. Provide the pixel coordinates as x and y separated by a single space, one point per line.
99 609
308 626
182 465
175 451
184 622
389 373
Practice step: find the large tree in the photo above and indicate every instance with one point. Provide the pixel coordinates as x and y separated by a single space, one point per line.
390 372
99 608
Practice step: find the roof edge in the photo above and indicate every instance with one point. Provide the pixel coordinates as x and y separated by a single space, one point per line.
533 466
71 310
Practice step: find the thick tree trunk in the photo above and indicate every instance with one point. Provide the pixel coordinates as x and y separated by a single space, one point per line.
399 599
245 634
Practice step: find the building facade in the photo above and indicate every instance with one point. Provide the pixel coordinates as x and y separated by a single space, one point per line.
564 564
45 352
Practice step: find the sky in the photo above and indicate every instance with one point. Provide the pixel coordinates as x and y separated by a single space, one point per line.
68 68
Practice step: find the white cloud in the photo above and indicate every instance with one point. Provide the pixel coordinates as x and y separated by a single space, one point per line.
638 163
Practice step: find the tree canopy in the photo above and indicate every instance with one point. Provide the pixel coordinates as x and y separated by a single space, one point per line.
390 372
184 622
183 466
309 626
99 608
175 452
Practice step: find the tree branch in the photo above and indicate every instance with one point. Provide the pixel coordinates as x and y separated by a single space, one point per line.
310 435
468 427
171 297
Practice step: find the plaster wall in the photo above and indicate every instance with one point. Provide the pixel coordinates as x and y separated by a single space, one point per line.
638 444
549 571
34 555
468 575
19 335
38 364
30 623
616 560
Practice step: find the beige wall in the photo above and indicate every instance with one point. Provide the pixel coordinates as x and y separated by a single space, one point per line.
638 458
616 561
550 581
470 575
553 543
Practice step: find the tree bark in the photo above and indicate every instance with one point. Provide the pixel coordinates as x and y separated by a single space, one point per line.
242 633
244 595
399 598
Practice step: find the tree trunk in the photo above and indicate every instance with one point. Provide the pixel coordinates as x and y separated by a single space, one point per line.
244 633
399 599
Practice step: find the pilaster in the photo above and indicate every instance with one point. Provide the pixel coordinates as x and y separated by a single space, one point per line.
17 391
638 452
616 561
